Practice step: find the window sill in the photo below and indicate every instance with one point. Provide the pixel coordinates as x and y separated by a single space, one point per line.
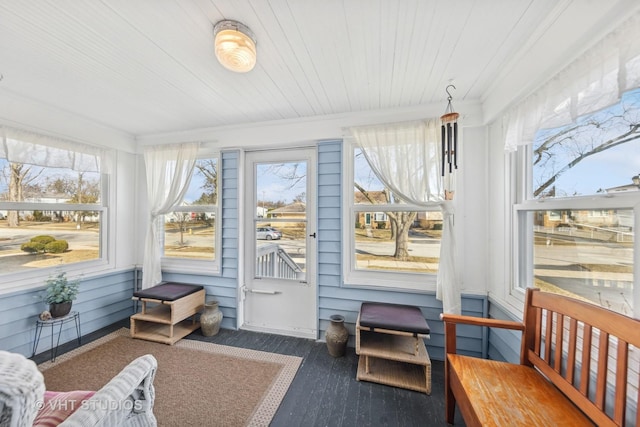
25 281
391 281
184 266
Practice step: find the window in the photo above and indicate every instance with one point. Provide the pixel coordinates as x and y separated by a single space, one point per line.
389 243
52 211
577 213
381 217
190 231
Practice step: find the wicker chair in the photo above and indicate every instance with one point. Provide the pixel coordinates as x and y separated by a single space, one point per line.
126 400
21 389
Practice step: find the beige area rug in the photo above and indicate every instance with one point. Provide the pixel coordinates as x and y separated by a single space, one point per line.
197 383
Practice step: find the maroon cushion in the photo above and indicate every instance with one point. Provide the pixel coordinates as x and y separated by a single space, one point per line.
58 406
168 291
396 317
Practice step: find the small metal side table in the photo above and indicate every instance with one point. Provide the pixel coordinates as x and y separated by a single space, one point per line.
40 324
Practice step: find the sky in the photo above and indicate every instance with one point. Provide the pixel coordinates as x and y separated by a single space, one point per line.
280 181
610 168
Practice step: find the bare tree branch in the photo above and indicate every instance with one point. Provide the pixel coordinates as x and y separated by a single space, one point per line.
621 139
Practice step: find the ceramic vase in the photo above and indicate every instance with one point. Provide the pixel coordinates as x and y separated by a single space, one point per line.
337 336
211 318
60 309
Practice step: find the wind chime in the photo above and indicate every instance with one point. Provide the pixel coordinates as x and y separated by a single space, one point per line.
449 144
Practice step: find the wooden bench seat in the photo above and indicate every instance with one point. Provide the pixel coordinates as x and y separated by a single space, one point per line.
578 366
504 394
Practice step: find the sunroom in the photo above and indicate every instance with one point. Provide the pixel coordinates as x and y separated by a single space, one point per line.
318 179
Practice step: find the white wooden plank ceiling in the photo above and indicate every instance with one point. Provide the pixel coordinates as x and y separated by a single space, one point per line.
148 66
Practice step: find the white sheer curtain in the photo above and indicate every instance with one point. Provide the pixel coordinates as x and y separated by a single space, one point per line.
593 81
406 157
21 146
169 169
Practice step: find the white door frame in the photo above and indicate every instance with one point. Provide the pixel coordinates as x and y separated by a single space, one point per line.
268 290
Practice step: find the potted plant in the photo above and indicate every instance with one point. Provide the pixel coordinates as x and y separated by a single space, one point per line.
60 293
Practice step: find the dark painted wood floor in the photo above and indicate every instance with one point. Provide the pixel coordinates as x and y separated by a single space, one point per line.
325 391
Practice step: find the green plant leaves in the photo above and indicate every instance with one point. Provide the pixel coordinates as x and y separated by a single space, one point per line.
60 289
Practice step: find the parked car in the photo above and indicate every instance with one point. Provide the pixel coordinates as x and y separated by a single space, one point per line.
268 233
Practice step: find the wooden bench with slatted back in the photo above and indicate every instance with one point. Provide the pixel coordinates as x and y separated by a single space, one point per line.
578 366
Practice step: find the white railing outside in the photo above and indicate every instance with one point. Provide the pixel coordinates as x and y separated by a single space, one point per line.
273 261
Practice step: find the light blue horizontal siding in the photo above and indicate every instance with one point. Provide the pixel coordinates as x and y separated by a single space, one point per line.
102 300
336 297
504 345
217 288
330 257
346 302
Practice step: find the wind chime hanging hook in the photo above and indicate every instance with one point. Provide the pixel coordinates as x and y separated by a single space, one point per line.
447 90
449 140
449 108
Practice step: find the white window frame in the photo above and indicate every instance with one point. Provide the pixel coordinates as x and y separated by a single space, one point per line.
199 266
522 238
419 282
34 278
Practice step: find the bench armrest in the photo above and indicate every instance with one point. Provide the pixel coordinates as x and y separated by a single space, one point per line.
481 321
451 320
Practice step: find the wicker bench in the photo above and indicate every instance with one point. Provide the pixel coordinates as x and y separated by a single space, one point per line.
390 342
578 366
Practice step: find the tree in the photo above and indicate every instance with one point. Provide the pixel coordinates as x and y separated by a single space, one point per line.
80 190
558 150
400 222
293 172
60 185
208 168
84 191
182 220
19 176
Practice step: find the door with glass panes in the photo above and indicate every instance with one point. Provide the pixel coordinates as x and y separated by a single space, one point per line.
279 291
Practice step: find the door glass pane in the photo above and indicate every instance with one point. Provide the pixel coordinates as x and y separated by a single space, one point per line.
281 220
586 254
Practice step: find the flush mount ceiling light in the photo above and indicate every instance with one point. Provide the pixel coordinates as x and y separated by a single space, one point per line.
235 46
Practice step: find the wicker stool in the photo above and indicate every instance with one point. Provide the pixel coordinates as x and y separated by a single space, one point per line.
21 390
389 340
